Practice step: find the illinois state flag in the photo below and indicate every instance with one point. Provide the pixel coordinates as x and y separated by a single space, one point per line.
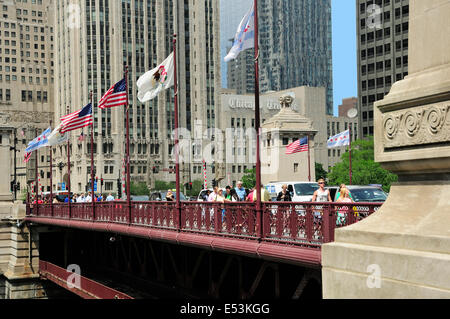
342 139
153 82
245 36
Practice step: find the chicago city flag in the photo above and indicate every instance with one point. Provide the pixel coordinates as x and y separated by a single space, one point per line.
245 36
342 139
39 141
151 83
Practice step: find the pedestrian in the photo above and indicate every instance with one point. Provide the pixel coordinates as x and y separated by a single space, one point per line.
75 197
321 195
265 196
240 191
339 193
341 212
206 195
213 195
88 198
80 199
219 197
110 198
284 195
250 195
169 196
228 193
233 197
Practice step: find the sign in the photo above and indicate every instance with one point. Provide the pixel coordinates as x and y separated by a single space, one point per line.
63 186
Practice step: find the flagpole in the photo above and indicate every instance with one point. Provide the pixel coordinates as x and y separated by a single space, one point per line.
128 147
350 153
51 175
92 158
177 164
37 178
309 162
68 175
258 128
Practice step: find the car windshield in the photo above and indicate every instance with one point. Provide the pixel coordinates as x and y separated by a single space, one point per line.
368 195
306 189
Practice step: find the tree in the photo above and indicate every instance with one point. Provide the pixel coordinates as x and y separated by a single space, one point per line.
249 179
365 170
139 189
197 186
320 172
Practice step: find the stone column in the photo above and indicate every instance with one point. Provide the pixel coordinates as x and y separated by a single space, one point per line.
403 251
6 141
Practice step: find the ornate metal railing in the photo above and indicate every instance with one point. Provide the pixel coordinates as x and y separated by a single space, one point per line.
305 224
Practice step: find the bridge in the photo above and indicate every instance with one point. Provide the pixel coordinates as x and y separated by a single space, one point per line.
143 238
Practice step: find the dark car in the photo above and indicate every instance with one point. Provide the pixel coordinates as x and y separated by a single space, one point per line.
366 194
161 196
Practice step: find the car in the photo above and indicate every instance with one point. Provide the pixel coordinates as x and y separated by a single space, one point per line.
300 191
143 198
161 196
366 194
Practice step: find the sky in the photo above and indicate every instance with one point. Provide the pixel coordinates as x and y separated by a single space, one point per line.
344 51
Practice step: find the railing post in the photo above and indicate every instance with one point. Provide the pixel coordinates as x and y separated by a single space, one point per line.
326 223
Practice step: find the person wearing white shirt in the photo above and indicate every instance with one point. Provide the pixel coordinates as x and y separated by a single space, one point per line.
110 198
80 199
88 199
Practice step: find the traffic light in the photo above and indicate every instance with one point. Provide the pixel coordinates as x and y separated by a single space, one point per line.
101 181
214 182
119 188
190 186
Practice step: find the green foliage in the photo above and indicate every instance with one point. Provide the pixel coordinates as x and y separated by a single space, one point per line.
249 179
320 172
139 189
197 186
365 169
163 186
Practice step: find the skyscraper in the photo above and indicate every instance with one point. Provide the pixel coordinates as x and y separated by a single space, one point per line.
94 43
26 78
295 46
382 53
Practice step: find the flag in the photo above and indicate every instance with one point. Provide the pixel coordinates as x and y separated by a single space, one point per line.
56 138
342 139
81 138
27 157
39 141
298 146
77 120
151 83
115 96
245 36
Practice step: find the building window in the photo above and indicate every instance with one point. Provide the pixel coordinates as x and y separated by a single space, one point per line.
295 167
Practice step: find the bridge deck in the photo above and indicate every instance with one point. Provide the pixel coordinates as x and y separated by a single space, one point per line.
290 232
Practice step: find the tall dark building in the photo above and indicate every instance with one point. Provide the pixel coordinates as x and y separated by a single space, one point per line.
382 53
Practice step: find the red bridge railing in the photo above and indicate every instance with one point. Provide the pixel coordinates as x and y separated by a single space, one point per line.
305 224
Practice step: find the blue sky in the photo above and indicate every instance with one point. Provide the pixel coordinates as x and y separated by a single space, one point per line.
344 50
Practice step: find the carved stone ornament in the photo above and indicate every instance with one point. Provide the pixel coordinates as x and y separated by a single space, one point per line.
422 125
286 101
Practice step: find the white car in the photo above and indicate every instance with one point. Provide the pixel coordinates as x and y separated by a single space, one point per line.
300 191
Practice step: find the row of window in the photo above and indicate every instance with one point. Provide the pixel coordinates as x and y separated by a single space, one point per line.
41 96
370 68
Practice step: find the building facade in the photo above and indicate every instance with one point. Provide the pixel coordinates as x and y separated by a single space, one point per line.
382 33
27 82
97 39
347 105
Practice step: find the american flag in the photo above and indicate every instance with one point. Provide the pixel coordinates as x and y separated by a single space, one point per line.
27 157
77 120
116 96
298 146
81 138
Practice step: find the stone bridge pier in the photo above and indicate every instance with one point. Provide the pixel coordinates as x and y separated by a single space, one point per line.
403 251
